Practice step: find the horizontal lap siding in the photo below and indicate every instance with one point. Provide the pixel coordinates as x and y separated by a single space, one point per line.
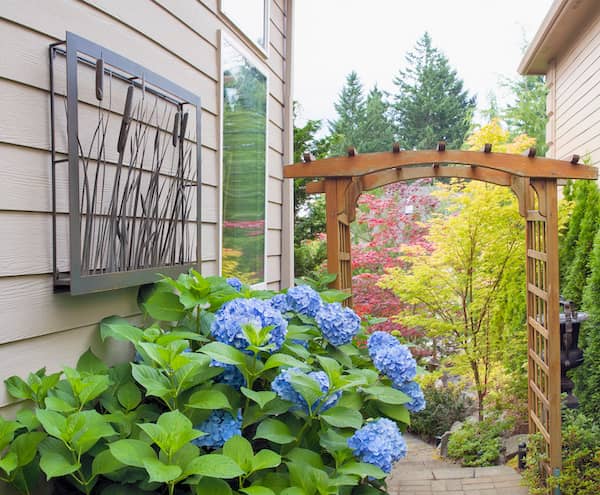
577 113
177 39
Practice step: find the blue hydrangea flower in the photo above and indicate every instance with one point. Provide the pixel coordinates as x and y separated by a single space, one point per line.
279 302
338 324
391 358
219 427
282 386
380 443
233 315
417 399
304 300
231 375
236 283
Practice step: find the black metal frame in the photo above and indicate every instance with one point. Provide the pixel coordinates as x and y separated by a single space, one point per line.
79 50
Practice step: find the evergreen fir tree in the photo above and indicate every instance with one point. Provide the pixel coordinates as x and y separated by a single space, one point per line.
527 115
351 110
377 130
431 103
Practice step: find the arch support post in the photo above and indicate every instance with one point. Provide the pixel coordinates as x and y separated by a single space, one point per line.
340 200
539 205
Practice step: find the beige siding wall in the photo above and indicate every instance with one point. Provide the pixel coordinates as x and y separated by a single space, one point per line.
575 97
178 39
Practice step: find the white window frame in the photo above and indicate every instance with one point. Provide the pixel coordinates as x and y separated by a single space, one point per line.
263 50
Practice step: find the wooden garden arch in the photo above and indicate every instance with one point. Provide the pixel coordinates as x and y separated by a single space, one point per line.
534 182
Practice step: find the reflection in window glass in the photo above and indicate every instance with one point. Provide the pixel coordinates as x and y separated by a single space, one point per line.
249 16
244 166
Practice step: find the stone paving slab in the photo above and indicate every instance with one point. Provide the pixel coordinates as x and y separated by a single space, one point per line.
424 473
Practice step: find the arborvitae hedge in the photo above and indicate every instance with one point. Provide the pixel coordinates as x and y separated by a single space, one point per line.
568 244
579 266
587 376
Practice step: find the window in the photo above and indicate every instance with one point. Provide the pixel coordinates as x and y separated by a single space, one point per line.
251 17
244 158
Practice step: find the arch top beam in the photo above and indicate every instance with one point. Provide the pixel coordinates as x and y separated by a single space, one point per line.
369 163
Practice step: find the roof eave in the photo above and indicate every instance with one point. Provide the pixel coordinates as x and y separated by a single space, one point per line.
563 22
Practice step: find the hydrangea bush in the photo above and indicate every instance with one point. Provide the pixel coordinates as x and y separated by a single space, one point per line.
231 391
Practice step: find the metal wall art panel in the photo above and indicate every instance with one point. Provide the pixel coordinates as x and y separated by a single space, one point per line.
132 157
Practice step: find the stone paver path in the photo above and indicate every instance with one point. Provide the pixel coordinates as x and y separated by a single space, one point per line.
424 473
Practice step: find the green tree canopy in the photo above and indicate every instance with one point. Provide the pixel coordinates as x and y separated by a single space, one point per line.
527 115
478 251
431 103
351 109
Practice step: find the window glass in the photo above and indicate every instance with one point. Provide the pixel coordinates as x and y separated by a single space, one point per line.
244 166
250 17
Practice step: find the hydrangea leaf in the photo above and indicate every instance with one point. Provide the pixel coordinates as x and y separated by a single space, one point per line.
213 486
261 398
265 459
132 452
387 395
214 465
224 353
105 463
343 417
307 387
129 395
25 446
90 363
164 306
153 381
362 469
120 329
257 490
333 442
161 472
332 295
280 359
208 399
293 490
54 423
331 367
240 450
274 430
55 459
393 411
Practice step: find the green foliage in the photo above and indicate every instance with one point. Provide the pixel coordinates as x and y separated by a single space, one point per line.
578 193
478 443
445 406
527 115
579 263
587 376
580 474
478 252
351 111
138 427
431 103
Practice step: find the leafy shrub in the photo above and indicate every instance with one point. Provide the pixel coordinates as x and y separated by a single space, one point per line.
232 390
478 443
580 473
445 406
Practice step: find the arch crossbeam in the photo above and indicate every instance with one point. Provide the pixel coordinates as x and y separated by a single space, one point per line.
518 165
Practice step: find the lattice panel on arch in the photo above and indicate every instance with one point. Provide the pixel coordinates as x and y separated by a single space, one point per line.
538 328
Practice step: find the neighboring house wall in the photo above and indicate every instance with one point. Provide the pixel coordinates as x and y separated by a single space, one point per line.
178 39
574 101
566 49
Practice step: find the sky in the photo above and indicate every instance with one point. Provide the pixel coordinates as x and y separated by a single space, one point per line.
483 40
